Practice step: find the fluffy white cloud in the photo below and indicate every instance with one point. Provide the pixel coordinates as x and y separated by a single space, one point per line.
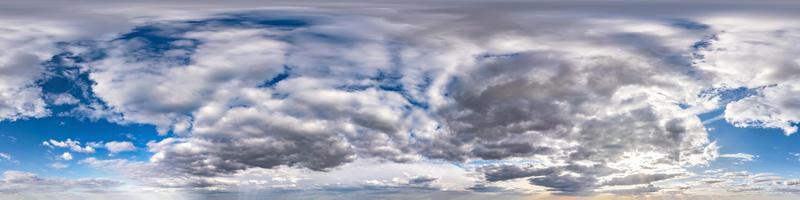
760 56
72 145
65 156
116 146
62 99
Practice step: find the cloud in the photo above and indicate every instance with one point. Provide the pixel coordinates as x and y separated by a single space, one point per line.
321 102
508 172
731 62
9 138
62 99
641 190
359 175
26 45
713 181
72 145
8 158
637 179
740 156
15 182
58 165
65 156
117 147
738 174
720 182
300 129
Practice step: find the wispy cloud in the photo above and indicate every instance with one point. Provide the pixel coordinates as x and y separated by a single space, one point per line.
740 156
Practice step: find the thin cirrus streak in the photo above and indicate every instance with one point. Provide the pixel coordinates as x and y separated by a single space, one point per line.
380 100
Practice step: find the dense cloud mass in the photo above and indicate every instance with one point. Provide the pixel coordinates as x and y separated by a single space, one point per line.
24 48
587 102
257 90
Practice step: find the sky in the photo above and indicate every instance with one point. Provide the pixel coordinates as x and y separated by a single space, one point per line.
610 99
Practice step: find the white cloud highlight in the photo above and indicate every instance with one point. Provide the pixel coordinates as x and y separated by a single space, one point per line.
72 145
117 146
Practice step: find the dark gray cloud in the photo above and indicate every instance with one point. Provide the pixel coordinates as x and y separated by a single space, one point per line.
508 172
486 188
637 179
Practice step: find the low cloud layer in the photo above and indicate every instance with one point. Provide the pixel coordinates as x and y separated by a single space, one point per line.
17 182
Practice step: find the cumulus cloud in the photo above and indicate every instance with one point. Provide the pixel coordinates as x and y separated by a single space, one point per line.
65 156
116 146
72 145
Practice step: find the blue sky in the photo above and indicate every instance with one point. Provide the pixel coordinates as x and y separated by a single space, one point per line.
773 148
28 136
379 100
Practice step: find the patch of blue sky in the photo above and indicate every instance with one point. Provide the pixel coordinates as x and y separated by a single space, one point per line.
250 20
388 81
705 42
283 75
701 45
494 56
153 42
688 24
772 148
33 156
63 76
